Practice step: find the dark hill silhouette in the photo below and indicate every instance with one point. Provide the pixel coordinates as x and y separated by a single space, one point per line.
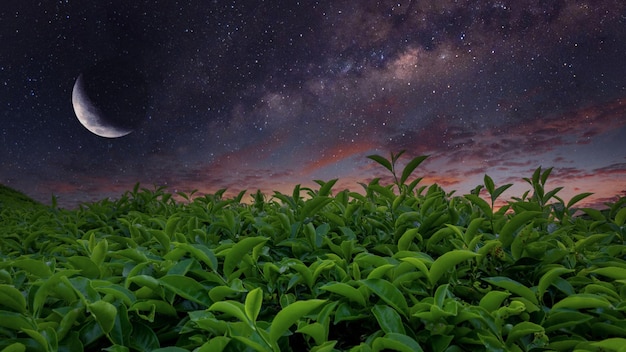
12 198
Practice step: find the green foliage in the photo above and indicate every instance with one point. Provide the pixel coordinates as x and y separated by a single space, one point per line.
396 268
10 197
390 164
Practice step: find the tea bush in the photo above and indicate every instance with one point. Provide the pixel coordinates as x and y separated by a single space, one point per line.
399 267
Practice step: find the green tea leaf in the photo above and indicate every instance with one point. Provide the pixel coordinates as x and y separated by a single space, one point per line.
382 161
90 332
39 337
200 252
219 293
613 344
119 292
398 201
380 271
67 322
312 206
582 301
498 191
418 263
577 198
441 293
396 342
608 329
144 281
254 300
16 321
323 265
14 347
305 273
326 188
99 252
441 237
251 343
133 254
522 329
386 192
87 266
564 319
594 214
407 219
35 267
456 229
544 176
170 227
513 286
314 240
232 308
162 238
447 262
492 343
116 348
12 298
472 229
290 315
120 333
405 241
347 291
236 252
152 306
57 284
589 240
612 272
143 338
396 156
549 277
388 319
620 217
388 293
517 221
481 204
493 300
603 290
215 344
105 314
315 330
489 185
410 167
186 287
328 346
551 194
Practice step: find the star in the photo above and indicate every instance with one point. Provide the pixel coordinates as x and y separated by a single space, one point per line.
238 91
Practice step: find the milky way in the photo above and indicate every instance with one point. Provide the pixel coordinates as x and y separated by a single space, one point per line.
266 95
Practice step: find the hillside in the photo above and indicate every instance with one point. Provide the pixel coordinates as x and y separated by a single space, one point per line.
10 197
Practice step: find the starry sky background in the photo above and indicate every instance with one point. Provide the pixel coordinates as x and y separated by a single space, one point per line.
269 94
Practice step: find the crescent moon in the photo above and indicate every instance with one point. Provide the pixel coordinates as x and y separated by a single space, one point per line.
90 116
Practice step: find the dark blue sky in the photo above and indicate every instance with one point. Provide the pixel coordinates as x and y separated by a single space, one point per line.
267 95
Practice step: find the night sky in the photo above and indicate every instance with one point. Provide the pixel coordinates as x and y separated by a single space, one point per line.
270 94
